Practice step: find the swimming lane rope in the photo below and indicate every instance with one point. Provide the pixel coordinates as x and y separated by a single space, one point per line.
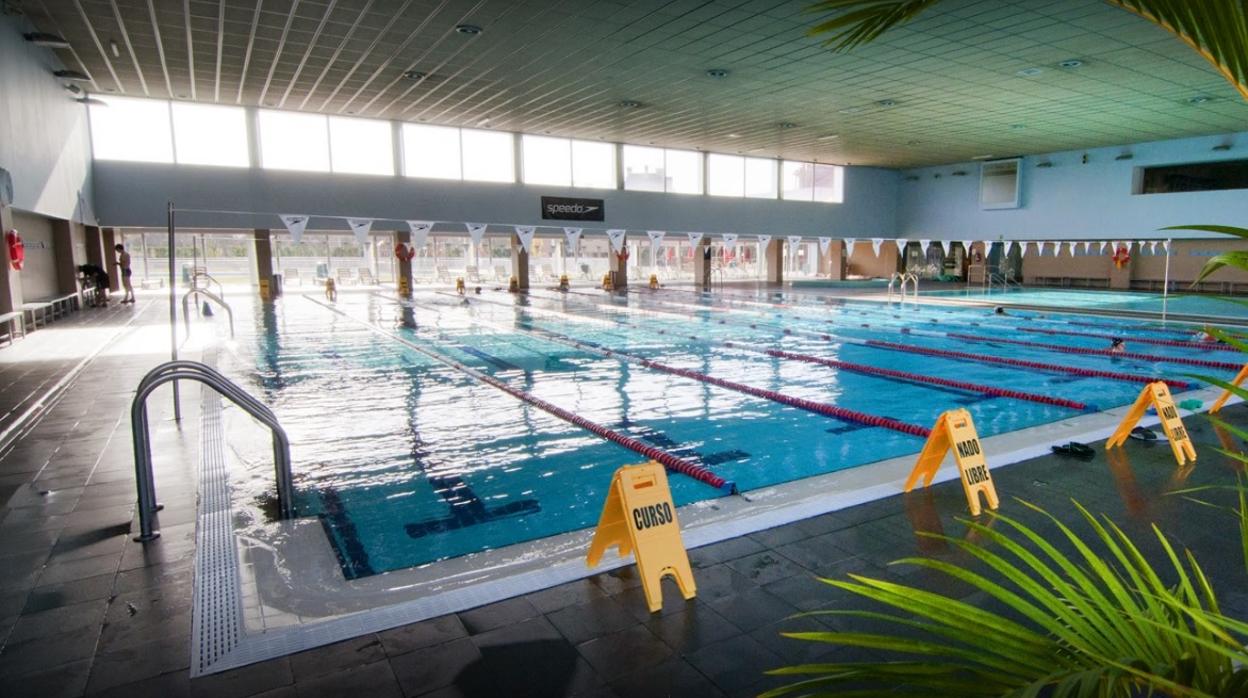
669 461
1205 363
1205 346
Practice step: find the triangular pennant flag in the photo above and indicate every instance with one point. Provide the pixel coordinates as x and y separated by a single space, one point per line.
876 243
988 247
360 226
476 231
420 232
923 245
764 240
730 239
656 237
901 245
849 246
966 247
695 239
294 225
525 233
574 239
1009 247
794 240
1165 245
616 238
824 244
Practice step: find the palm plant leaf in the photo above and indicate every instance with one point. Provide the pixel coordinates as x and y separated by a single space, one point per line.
1215 29
1099 621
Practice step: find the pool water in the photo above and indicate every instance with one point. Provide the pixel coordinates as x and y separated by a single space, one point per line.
1184 304
406 460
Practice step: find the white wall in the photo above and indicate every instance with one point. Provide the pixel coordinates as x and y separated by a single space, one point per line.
1072 199
135 194
44 137
38 274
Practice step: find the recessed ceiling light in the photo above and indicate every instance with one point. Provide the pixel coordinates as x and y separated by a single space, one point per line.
828 137
734 135
484 122
112 46
629 104
92 101
1018 127
1029 72
886 103
717 73
469 29
414 75
71 75
1199 99
787 125
1070 63
851 110
46 39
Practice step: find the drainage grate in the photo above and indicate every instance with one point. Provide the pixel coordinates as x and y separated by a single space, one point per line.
217 622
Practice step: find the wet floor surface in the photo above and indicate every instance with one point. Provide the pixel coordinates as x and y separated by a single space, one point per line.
84 610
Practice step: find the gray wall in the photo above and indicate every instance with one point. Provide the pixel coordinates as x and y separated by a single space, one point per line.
39 279
135 194
44 136
1074 199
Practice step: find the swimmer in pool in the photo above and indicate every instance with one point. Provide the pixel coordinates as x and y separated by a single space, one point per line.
1118 346
1203 336
999 310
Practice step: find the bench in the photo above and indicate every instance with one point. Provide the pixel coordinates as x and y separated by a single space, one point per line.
66 304
12 329
38 311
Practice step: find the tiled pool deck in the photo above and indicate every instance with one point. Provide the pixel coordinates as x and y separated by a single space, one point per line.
84 610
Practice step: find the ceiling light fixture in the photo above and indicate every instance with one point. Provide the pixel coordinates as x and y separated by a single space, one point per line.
91 101
828 137
1017 127
717 73
484 123
912 178
46 40
886 103
1199 99
469 29
982 157
1070 64
1044 164
734 135
71 75
112 46
1029 72
414 75
629 104
786 125
71 88
958 173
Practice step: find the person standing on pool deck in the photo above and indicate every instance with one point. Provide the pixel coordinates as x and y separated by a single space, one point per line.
123 261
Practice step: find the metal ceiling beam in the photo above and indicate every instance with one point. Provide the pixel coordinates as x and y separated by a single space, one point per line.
99 46
216 84
190 47
251 43
366 53
403 47
337 52
56 27
160 46
290 85
125 36
277 56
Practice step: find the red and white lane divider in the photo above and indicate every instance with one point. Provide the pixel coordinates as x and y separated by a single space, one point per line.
1204 363
669 461
1204 346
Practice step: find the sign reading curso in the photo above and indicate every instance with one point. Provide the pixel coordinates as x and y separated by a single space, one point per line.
565 209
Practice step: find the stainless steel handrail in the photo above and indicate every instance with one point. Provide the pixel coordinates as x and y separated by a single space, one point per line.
186 316
141 434
905 278
200 272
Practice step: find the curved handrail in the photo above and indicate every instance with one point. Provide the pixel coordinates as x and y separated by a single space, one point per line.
186 316
199 272
193 370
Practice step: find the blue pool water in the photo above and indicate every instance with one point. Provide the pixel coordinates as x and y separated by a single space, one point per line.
407 460
1189 304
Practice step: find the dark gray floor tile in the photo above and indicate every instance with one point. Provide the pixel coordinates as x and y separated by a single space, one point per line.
48 651
723 551
140 661
765 567
753 609
675 678
596 618
614 655
735 662
564 595
85 615
497 614
71 570
433 668
696 627
375 679
337 657
43 598
434 631
245 681
64 681
175 684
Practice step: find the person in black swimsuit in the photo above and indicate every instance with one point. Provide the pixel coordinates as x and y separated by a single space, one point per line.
123 261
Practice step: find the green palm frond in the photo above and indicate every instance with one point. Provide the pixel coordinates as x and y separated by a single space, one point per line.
1216 29
1083 617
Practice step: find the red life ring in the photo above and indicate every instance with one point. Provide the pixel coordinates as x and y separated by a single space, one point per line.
403 253
17 250
1122 256
622 255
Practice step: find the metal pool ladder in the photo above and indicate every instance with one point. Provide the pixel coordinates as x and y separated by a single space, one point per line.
196 371
905 278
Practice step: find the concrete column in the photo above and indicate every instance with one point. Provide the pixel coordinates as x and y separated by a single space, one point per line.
1121 278
838 260
10 279
404 281
63 251
519 263
775 260
619 266
702 265
264 263
95 247
108 238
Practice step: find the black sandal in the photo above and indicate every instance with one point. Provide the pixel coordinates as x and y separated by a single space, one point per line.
1074 449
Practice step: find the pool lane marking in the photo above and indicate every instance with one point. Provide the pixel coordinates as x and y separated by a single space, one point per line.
1203 346
911 348
916 378
671 462
1204 363
823 408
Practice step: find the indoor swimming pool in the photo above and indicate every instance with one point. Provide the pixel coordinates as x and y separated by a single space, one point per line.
408 450
1131 301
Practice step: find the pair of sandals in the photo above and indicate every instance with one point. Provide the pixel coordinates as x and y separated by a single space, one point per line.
1074 449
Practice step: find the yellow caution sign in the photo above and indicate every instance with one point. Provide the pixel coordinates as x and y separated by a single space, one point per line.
563 282
640 518
265 290
955 430
513 285
607 283
1226 394
654 281
404 288
1158 395
459 285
